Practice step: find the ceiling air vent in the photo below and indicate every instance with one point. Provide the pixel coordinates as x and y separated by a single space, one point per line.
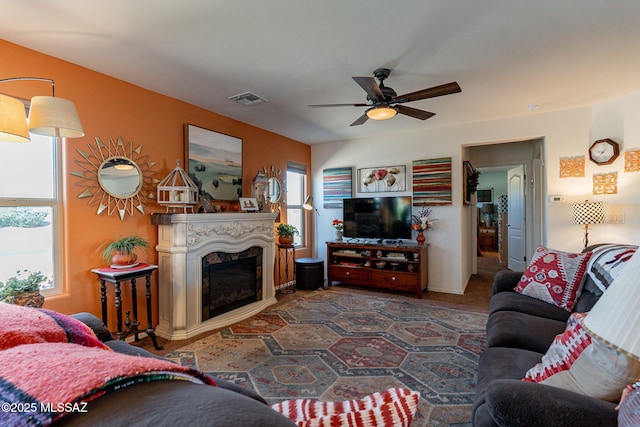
248 98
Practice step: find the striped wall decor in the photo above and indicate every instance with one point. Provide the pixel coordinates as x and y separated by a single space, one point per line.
432 182
336 185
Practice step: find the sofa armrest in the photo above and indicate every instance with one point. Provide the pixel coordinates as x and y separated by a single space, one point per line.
506 280
99 328
518 403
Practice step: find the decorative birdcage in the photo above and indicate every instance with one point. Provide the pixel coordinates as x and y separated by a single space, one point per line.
178 191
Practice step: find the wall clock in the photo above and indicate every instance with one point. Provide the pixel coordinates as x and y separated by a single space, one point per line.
604 151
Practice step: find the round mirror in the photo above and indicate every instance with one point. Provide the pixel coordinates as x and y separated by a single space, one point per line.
120 177
275 190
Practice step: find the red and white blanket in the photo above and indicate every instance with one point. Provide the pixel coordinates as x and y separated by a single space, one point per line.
52 364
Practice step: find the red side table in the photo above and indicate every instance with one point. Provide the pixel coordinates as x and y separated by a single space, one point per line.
116 276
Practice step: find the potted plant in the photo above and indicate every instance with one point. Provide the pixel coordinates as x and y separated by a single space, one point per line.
23 289
121 252
285 233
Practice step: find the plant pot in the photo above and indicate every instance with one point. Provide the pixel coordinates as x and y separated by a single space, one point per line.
122 259
285 241
29 299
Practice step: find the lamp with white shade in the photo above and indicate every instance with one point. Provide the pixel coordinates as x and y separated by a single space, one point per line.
48 116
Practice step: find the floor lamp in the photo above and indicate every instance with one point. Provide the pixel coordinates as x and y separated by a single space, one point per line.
308 205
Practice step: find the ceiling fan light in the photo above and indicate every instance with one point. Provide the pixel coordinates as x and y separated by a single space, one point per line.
381 113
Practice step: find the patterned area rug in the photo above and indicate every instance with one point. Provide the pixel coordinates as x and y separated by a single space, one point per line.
332 345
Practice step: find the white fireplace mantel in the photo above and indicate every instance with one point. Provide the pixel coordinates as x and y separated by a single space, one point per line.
181 246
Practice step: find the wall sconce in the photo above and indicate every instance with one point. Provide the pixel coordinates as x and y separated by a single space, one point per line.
48 116
588 213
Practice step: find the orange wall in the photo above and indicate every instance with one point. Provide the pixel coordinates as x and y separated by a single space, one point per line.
109 107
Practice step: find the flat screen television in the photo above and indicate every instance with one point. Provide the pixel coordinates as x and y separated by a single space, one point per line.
382 218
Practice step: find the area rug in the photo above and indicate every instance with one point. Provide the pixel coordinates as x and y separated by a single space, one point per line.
332 345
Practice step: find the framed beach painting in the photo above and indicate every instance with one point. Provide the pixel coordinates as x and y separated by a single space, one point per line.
214 162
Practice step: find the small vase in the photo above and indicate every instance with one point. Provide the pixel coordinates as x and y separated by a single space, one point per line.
420 238
338 236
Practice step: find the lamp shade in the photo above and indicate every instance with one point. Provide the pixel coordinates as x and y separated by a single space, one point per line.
615 318
13 120
308 203
381 113
57 117
588 213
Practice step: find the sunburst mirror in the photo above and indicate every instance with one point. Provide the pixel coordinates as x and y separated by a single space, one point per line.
116 177
276 188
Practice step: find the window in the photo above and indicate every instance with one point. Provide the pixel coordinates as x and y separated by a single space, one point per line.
29 209
296 178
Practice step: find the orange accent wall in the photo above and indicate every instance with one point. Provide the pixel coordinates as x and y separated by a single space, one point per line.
109 107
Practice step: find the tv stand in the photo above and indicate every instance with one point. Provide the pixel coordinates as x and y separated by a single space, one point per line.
401 267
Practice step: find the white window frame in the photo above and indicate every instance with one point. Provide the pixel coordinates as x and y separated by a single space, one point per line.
302 171
56 212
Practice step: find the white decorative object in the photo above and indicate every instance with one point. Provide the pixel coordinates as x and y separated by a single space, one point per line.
178 191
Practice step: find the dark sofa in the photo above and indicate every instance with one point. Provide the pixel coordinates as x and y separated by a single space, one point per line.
172 403
519 331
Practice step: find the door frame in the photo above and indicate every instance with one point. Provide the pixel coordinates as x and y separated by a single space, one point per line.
482 156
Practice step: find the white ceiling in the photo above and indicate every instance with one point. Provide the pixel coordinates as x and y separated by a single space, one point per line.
505 54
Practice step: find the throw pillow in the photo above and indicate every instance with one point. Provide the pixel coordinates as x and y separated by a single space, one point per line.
581 364
29 325
554 276
605 264
564 350
393 408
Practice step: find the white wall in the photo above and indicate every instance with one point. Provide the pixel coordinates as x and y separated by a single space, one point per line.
566 134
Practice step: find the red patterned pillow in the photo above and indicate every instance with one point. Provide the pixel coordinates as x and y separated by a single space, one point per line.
554 276
393 408
563 352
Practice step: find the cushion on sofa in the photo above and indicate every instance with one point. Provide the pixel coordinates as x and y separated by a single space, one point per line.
522 330
521 404
513 301
606 262
578 363
599 372
554 276
176 403
563 352
501 362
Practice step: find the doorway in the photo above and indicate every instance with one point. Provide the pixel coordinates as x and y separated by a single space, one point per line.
512 174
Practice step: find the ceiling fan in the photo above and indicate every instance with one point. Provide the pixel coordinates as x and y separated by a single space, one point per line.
384 103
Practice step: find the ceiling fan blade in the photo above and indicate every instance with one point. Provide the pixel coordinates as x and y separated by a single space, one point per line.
445 89
360 120
338 105
414 112
370 86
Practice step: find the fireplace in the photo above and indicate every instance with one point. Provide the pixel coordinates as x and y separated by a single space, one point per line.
214 270
230 281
